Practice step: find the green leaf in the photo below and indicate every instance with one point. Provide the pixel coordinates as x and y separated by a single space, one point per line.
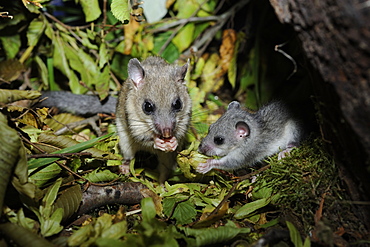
81 62
20 179
207 7
171 53
34 32
52 193
43 71
69 200
86 37
109 242
307 242
9 154
11 69
22 236
49 32
59 121
295 237
184 212
199 29
119 65
102 83
11 45
103 55
184 38
53 86
102 223
88 64
81 236
262 191
52 225
75 63
9 96
45 176
35 163
210 81
231 71
115 231
55 142
211 236
183 13
91 9
97 176
60 62
270 223
121 10
23 221
49 218
174 189
251 207
148 209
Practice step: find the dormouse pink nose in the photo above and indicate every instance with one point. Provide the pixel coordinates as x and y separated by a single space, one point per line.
167 133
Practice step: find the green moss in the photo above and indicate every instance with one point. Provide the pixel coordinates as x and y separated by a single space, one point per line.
301 180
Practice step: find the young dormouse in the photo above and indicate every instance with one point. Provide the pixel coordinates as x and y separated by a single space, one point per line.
241 138
153 111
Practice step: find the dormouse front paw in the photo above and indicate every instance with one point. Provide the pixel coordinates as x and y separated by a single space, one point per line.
165 145
285 152
125 167
206 167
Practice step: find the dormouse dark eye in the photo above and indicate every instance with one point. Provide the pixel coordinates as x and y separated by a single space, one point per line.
177 105
218 140
148 107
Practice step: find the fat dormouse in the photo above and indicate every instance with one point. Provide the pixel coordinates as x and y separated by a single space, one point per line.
241 138
153 111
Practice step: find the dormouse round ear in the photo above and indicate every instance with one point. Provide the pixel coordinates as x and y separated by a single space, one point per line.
136 72
233 104
241 130
181 72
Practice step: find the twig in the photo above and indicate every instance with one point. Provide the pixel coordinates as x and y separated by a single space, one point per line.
249 175
72 172
91 121
44 154
104 12
64 155
32 144
70 29
65 25
114 78
215 211
174 207
173 34
219 6
277 48
183 21
59 163
201 44
74 132
6 15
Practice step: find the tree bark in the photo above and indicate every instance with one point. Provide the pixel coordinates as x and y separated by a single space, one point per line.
335 36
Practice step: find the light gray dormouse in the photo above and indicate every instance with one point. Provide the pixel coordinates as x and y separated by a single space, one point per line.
153 111
241 138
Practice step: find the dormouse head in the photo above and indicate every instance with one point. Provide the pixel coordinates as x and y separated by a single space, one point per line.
160 94
156 67
227 133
